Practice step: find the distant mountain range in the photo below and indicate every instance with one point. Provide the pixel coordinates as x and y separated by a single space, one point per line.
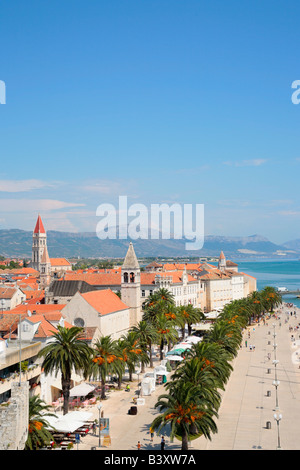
18 243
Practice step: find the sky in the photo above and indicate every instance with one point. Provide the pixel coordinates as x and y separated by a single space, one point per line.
164 101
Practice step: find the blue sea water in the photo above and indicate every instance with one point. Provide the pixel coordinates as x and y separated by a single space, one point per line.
275 274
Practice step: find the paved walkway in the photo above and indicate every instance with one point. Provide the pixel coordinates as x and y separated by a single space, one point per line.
248 405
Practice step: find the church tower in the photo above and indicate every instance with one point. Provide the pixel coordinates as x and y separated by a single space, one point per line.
131 285
45 269
222 262
39 242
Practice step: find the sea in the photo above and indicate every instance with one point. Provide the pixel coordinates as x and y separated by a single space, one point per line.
279 273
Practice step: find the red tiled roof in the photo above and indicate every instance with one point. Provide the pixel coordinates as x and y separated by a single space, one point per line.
59 262
7 292
104 301
149 278
38 308
39 227
96 279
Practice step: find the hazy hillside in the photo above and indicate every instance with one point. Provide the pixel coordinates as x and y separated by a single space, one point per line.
18 243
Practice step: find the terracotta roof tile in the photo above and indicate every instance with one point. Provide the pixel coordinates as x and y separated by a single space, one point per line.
104 301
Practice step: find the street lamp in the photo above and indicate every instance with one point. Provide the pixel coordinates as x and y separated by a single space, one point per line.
277 419
275 362
276 385
274 346
99 408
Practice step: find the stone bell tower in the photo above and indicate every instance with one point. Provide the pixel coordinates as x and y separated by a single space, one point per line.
222 262
39 242
131 285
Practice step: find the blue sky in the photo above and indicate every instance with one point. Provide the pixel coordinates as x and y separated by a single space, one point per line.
162 101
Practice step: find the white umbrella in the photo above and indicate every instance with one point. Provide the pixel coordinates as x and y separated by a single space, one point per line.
175 358
69 422
193 339
81 390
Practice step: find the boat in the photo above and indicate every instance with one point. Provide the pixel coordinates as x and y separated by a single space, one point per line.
282 289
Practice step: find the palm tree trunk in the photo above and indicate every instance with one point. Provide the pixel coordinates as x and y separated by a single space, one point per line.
119 381
161 349
66 384
185 440
150 354
103 396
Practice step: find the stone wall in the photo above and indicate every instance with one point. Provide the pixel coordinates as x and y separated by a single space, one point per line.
14 418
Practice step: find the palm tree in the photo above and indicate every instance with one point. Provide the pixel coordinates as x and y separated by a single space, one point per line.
166 332
67 353
146 335
257 303
38 427
195 372
161 295
242 308
184 411
225 333
120 362
190 316
213 357
133 352
271 297
105 354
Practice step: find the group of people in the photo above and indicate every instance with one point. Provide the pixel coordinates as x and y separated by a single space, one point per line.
162 442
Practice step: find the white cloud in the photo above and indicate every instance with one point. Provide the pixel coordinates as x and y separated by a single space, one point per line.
290 213
17 186
253 162
34 205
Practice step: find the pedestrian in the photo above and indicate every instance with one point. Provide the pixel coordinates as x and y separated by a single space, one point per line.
94 428
162 443
246 343
139 445
151 434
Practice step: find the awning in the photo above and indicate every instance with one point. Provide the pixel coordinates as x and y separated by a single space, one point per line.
202 326
81 390
193 339
175 352
69 422
175 358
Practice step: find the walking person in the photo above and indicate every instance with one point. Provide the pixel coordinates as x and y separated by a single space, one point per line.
94 428
162 443
139 445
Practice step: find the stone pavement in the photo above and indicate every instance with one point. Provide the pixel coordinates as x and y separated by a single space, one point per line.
246 416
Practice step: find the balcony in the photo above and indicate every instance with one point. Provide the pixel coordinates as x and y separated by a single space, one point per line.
33 371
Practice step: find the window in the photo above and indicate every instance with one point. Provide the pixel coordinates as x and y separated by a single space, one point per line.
143 292
125 277
79 322
131 277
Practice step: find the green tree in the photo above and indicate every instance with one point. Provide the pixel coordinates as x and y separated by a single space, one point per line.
183 410
146 335
166 332
272 298
67 353
105 354
38 426
133 352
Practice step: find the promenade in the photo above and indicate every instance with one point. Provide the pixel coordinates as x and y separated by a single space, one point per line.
246 416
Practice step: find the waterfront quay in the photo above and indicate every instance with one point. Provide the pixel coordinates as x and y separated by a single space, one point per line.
249 402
